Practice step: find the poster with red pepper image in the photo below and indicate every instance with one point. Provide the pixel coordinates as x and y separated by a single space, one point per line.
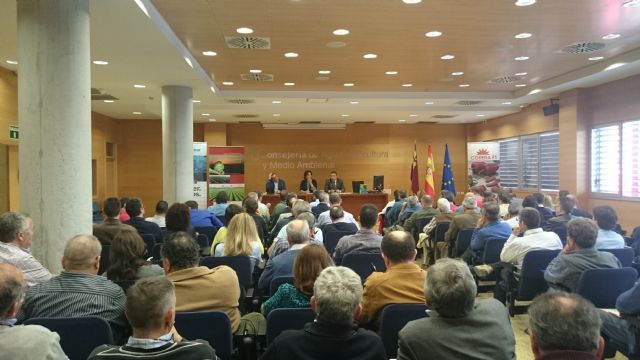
484 163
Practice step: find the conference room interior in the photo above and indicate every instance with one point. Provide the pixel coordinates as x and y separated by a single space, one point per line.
406 75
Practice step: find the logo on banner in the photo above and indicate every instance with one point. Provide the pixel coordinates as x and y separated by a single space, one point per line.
483 154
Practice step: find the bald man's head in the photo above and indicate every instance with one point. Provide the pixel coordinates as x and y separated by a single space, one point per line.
82 254
11 288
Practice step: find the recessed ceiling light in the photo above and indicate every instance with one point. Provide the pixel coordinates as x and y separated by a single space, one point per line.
457 73
525 2
370 56
447 57
289 84
614 66
631 4
611 36
139 86
276 115
348 84
100 62
429 103
521 58
407 85
108 101
521 85
480 115
463 85
402 120
324 72
213 89
413 115
340 32
391 72
433 34
506 103
523 36
227 83
209 53
521 74
12 62
354 102
205 114
137 113
195 101
276 102
596 58
411 1
534 91
244 30
255 71
291 54
188 60
212 120
345 115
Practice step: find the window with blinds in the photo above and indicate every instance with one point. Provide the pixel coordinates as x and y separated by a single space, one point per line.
530 156
631 159
509 155
605 160
549 161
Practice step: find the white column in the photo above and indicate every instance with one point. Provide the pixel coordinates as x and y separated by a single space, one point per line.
177 143
55 122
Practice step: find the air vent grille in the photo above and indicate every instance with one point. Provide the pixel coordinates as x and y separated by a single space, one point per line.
443 116
469 102
364 122
256 77
240 101
248 42
245 116
582 47
507 79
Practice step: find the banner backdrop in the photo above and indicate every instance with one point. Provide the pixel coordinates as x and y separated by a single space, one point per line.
200 174
226 172
484 162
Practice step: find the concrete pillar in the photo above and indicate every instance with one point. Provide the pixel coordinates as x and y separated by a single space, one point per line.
177 143
54 107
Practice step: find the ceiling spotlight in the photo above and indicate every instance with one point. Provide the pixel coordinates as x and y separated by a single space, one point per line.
413 115
521 74
521 85
521 58
212 120
345 115
402 120
137 113
480 115
291 55
525 2
255 71
108 101
100 62
596 58
195 101
205 114
407 85
391 72
411 1
340 32
506 103
244 30
348 84
429 103
464 85
139 86
227 83
354 102
614 66
276 115
457 73
523 36
631 4
534 91
209 53
611 36
433 34
370 56
276 102
12 62
324 72
289 84
447 57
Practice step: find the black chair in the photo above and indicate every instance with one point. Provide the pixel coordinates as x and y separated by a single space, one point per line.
208 231
104 259
530 281
202 241
277 281
156 252
241 265
439 232
603 286
420 225
331 239
463 240
625 255
78 336
280 320
392 319
492 250
149 241
211 326
364 264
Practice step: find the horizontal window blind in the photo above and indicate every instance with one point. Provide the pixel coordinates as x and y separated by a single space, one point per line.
605 160
530 160
631 159
509 159
549 161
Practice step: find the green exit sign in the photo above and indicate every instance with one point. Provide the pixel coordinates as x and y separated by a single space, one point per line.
14 132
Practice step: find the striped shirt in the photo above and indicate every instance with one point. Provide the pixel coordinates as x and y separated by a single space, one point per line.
74 294
187 350
34 272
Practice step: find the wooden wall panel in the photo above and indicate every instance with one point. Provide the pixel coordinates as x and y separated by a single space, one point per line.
103 129
8 104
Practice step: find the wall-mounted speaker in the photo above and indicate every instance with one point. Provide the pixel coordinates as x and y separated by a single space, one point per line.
551 109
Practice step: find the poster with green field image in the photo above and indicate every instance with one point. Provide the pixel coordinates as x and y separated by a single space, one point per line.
226 172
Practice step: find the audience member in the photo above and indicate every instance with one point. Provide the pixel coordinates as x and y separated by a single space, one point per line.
251 207
308 183
558 224
333 183
159 217
564 326
514 210
366 240
450 198
263 209
575 212
22 342
409 208
545 212
620 330
16 235
489 227
315 235
335 200
178 219
579 255
298 238
123 212
275 185
394 211
279 232
444 214
199 288
151 310
401 283
458 327
311 260
220 206
106 231
135 209
412 224
608 238
336 301
504 198
467 220
338 223
221 235
282 208
323 204
201 218
127 258
242 240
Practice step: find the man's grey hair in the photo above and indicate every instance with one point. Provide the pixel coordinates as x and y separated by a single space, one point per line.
562 321
444 205
515 207
584 232
298 232
338 292
308 217
450 289
324 197
12 223
181 251
148 301
81 251
253 195
300 206
469 202
11 289
412 201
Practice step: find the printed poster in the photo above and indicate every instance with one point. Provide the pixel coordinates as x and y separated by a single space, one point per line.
200 174
226 172
484 162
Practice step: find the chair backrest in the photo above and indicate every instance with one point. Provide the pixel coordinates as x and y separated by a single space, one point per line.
78 336
241 265
463 240
202 241
441 229
421 224
331 239
392 319
492 250
211 326
156 252
532 281
104 259
280 320
150 241
603 286
209 231
277 281
625 255
364 264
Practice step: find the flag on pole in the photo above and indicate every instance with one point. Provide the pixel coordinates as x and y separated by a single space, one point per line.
415 184
447 173
429 187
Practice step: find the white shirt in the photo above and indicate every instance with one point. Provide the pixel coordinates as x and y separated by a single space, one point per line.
263 209
34 272
325 219
609 239
516 247
513 222
157 219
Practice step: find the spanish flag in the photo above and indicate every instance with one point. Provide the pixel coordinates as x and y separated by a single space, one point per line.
429 186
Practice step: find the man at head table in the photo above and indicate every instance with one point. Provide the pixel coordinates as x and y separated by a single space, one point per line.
275 184
333 183
308 183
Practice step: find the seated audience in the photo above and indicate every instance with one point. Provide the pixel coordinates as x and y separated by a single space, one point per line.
413 222
620 330
16 235
275 185
123 212
575 212
78 290
221 235
263 209
545 212
336 301
201 218
178 219
220 206
323 204
558 224
394 211
199 288
467 220
579 255
401 283
366 240
458 326
278 233
489 227
282 208
410 207
242 240
22 342
335 200
151 310
514 211
446 194
316 198
311 260
159 217
281 265
608 238
504 198
135 209
308 183
334 183
127 258
443 214
251 208
106 231
280 244
338 223
564 326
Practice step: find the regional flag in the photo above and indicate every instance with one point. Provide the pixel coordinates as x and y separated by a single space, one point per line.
447 173
429 187
415 185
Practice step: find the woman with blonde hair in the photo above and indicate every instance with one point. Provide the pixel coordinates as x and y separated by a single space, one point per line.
311 260
242 239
